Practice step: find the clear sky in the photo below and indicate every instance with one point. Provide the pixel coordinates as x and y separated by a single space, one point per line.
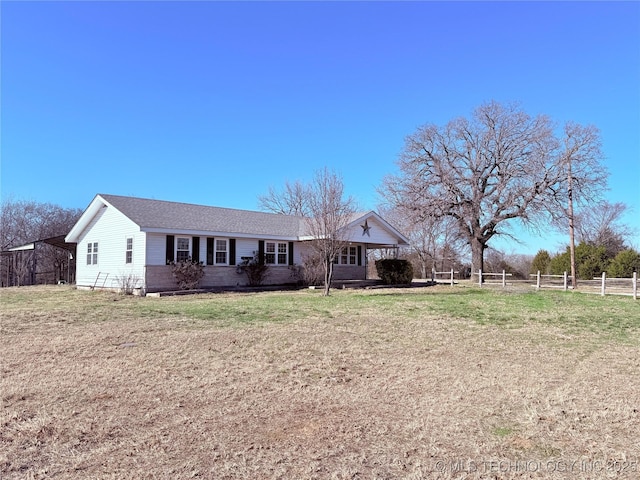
213 102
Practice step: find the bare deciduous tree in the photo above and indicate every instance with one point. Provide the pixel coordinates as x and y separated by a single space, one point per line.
430 240
502 165
292 200
481 172
329 214
601 225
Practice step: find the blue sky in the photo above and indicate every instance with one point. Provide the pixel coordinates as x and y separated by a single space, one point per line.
213 102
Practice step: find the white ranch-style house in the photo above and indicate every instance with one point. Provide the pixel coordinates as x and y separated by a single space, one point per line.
120 238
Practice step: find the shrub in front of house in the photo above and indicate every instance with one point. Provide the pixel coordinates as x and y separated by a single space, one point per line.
187 273
256 269
312 270
394 271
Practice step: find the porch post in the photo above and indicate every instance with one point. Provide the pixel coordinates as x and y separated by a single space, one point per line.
366 261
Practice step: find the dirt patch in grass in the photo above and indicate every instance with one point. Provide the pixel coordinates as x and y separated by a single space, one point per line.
362 394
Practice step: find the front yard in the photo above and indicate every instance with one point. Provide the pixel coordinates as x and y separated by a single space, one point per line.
441 382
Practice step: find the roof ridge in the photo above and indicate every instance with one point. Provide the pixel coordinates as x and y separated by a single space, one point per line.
128 197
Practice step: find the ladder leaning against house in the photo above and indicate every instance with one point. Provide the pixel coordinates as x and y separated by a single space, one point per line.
102 277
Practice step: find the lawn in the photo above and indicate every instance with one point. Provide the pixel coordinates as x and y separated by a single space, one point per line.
439 382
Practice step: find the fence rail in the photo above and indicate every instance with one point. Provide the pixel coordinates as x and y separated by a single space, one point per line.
482 278
605 285
552 281
435 276
618 286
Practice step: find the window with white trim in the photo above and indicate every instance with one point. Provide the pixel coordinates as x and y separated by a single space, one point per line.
348 256
129 251
276 253
92 253
353 255
221 250
182 249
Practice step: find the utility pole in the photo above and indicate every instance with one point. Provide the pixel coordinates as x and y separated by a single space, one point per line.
572 242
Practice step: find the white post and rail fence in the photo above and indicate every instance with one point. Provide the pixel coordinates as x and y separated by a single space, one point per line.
605 285
446 276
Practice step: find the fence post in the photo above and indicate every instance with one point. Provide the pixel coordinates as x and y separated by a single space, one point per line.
635 285
504 278
480 277
538 280
565 281
604 280
452 277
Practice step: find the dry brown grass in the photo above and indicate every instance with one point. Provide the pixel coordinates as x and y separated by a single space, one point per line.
372 395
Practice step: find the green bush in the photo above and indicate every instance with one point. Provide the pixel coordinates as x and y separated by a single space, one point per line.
541 263
591 261
394 271
623 264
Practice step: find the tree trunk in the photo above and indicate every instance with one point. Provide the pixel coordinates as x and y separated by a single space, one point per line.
477 256
328 276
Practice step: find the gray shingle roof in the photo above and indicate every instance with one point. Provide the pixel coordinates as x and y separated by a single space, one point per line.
160 214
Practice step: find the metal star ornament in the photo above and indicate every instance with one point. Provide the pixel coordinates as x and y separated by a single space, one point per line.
366 228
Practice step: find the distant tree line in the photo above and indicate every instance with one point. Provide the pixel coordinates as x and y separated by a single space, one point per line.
592 261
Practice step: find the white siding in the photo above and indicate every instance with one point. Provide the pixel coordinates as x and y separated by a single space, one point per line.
245 247
157 249
377 233
110 229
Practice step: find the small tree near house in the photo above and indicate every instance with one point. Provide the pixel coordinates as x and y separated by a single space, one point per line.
330 213
327 214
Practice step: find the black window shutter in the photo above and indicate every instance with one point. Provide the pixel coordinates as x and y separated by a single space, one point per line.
359 255
195 254
261 252
209 251
170 248
290 253
232 251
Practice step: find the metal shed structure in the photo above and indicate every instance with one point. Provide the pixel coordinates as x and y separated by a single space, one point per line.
47 260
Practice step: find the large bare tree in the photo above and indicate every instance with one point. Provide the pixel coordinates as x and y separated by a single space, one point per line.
500 165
